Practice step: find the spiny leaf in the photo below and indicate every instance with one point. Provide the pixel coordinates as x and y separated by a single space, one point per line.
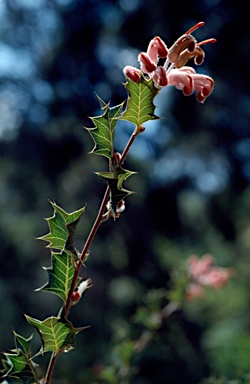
62 228
115 180
103 132
16 361
22 344
102 103
140 107
60 275
57 334
18 366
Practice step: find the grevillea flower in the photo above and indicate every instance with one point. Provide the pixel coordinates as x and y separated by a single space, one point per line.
202 272
173 71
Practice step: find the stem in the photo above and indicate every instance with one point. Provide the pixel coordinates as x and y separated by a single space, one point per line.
170 308
147 335
33 371
136 132
97 223
89 240
51 366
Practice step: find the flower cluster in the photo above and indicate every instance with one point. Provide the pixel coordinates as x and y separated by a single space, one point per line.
202 272
173 71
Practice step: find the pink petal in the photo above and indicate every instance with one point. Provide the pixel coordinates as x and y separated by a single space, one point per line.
182 80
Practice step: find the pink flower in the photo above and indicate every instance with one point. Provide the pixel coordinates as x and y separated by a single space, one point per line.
182 80
185 42
149 60
187 80
198 267
203 85
216 278
198 54
157 48
132 73
173 71
160 76
147 65
194 291
202 272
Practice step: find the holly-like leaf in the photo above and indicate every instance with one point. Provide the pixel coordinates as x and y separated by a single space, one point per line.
57 334
16 361
140 107
22 344
103 132
60 275
18 366
115 181
62 228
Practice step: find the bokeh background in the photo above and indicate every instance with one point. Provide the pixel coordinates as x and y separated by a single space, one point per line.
192 185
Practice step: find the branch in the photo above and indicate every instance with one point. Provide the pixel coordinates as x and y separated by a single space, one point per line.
96 225
51 366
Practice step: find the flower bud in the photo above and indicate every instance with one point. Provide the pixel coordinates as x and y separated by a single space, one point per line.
116 158
75 297
147 65
132 73
162 48
160 77
157 48
82 287
120 206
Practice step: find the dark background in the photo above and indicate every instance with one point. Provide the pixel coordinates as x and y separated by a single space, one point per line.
192 183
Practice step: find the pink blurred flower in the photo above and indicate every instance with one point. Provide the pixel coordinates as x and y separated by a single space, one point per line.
194 291
173 71
202 272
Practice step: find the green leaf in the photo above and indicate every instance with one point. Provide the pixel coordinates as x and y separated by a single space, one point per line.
102 103
22 344
140 107
62 228
115 181
60 275
17 361
103 132
57 334
18 366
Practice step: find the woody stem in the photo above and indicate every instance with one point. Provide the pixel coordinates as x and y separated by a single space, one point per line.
89 240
